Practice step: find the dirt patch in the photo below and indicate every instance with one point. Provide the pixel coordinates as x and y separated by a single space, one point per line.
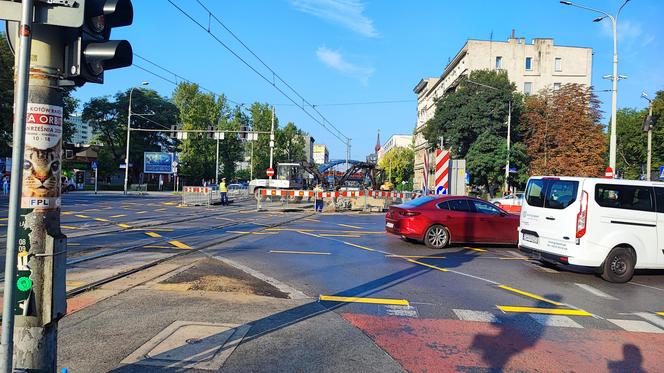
214 275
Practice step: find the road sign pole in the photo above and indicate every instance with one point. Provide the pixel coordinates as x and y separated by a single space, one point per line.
96 174
36 256
21 71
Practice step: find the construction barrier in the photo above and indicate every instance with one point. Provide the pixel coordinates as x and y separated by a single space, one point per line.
370 200
200 196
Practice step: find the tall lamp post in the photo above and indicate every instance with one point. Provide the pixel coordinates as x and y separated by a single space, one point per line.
126 179
614 78
647 126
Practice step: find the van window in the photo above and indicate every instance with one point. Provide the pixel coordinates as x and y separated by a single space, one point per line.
659 197
535 193
560 193
627 197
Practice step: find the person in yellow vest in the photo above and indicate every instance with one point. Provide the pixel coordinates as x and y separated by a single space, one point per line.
318 198
223 191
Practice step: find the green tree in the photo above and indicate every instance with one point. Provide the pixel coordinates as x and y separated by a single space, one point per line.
398 162
475 112
108 118
261 120
6 96
289 145
231 148
632 142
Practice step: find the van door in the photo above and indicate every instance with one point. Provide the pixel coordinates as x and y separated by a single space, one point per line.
659 199
550 226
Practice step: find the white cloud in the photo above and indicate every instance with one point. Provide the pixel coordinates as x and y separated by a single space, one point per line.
347 13
336 61
628 31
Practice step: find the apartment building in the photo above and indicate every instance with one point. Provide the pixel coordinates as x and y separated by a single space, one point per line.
393 142
321 154
531 66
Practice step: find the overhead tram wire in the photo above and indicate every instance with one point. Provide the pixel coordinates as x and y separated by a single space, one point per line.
177 76
211 16
338 133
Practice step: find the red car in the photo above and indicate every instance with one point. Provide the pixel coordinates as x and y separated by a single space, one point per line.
440 220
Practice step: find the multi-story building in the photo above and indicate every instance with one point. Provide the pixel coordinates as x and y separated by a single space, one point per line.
395 141
321 154
530 66
82 130
309 147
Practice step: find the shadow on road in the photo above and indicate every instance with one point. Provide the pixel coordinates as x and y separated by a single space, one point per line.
497 350
284 319
632 360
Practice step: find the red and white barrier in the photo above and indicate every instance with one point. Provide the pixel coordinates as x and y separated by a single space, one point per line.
345 194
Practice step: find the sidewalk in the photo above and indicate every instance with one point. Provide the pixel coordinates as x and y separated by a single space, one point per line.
208 316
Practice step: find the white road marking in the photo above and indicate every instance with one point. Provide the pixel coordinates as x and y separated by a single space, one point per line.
652 318
402 311
482 316
645 286
594 291
636 326
555 320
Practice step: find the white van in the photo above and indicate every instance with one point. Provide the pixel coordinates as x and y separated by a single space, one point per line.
613 226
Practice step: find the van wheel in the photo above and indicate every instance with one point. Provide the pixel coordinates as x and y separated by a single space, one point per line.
436 237
619 265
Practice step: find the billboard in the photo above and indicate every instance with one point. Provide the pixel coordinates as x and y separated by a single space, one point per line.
158 163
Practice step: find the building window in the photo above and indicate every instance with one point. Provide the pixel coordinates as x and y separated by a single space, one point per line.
559 64
527 88
529 63
499 62
556 86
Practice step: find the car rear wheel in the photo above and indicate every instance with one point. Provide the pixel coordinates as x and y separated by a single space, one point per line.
436 237
619 265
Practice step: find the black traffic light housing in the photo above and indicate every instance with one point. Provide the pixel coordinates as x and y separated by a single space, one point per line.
90 52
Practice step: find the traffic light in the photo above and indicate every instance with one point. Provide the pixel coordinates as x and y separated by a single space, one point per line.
90 51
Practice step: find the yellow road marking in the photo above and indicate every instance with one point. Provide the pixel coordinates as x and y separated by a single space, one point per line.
660 313
308 234
550 311
118 216
349 226
121 225
530 295
153 234
179 244
170 203
332 298
141 212
222 218
74 283
476 249
414 256
339 235
163 209
69 227
312 220
154 229
358 246
82 216
427 265
63 213
101 219
157 247
298 252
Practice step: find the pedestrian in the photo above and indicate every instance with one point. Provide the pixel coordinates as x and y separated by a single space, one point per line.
223 192
161 183
318 198
5 185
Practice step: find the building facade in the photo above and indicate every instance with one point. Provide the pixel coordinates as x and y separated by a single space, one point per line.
320 154
309 147
394 141
83 133
530 66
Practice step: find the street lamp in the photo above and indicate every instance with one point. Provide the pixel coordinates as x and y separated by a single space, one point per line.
614 78
647 126
509 130
126 179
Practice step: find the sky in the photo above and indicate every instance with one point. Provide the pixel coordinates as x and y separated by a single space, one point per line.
351 51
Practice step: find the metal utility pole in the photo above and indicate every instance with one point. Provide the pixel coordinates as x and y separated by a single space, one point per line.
648 127
21 74
216 169
126 179
615 77
272 140
251 163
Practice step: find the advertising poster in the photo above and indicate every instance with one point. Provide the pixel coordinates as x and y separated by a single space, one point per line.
157 163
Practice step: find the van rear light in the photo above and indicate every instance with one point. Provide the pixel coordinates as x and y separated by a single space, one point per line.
582 216
410 213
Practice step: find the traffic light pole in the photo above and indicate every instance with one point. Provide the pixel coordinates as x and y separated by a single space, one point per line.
36 256
21 73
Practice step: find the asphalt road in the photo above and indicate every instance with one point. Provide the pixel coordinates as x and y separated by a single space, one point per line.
461 308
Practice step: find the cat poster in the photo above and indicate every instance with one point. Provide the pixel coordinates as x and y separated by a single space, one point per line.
42 157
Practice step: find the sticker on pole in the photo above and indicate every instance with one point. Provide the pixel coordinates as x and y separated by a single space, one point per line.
42 153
